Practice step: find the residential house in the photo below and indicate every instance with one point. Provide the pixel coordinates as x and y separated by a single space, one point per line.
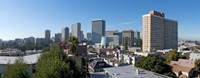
183 67
97 65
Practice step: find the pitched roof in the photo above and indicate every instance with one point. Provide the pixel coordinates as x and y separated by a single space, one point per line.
182 65
174 62
177 68
186 63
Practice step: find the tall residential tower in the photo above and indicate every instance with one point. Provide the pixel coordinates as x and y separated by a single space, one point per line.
158 32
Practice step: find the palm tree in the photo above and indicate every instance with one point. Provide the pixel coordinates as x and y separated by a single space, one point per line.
73 45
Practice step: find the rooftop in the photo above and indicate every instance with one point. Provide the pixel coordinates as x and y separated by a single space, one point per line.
98 20
29 59
177 68
130 71
184 63
161 14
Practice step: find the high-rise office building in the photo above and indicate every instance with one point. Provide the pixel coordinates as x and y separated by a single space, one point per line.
18 41
136 34
128 38
137 41
1 41
76 31
98 30
109 33
113 40
89 36
47 34
40 41
113 33
158 32
70 34
29 40
82 36
65 34
57 37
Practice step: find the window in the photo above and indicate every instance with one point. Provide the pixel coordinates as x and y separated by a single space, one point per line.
101 64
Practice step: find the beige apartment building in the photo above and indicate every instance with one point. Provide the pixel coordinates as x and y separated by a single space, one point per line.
158 32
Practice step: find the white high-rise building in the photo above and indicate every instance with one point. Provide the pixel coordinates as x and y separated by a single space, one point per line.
76 31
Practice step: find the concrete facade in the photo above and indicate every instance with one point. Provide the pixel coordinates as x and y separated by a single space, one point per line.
115 33
65 34
109 33
171 34
158 32
128 38
76 31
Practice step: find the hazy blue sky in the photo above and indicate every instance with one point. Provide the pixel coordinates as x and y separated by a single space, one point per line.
24 18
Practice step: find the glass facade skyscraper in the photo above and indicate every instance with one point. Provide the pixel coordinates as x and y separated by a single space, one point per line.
98 30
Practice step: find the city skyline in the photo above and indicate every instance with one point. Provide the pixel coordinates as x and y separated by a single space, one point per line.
31 18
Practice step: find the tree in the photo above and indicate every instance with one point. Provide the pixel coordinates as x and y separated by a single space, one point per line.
197 65
73 45
17 70
151 63
55 64
197 47
173 56
154 63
